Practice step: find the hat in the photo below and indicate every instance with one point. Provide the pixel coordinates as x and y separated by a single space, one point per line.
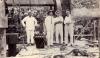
50 10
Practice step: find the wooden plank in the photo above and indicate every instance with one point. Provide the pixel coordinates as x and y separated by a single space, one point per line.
3 18
33 4
94 30
12 34
2 43
58 3
84 35
99 35
32 1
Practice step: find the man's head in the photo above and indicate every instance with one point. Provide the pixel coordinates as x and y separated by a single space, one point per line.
29 13
34 12
50 13
67 12
58 13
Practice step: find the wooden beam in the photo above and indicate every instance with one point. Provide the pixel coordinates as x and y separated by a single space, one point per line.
33 4
2 43
58 3
99 35
94 30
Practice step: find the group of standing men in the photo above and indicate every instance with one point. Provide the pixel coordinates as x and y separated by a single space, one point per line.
53 26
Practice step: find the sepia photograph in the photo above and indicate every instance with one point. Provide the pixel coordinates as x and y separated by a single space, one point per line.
49 28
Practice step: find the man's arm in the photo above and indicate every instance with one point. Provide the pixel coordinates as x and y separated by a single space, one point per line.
44 25
35 22
60 20
23 22
45 30
65 20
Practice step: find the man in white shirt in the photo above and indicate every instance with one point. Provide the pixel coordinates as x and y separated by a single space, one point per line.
29 22
69 29
49 26
59 27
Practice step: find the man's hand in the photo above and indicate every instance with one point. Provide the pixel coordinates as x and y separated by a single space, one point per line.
68 23
37 25
59 22
45 33
24 26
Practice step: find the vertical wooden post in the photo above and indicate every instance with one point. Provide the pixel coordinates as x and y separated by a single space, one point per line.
99 35
58 3
51 8
3 26
2 43
13 3
30 4
94 22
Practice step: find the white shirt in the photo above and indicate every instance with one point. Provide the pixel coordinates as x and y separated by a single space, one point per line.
49 22
68 19
29 23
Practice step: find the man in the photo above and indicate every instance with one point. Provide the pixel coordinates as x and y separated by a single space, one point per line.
29 23
59 27
69 30
49 26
